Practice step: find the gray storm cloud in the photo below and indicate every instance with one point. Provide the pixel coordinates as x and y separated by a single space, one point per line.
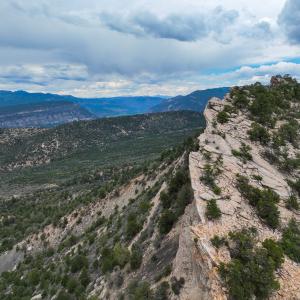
63 44
185 27
289 19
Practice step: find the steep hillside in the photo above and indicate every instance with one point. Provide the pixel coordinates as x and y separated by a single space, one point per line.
246 186
195 101
98 245
45 114
215 218
56 155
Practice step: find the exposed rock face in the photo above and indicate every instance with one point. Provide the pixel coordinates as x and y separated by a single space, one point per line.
197 259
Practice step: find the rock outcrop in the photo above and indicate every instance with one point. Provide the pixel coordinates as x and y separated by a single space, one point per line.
196 257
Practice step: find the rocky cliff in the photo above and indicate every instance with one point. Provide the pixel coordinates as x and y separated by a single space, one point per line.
216 218
198 260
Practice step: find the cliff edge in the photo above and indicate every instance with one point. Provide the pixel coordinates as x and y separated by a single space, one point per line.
226 155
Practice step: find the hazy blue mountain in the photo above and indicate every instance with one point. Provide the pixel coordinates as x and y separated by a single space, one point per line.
8 98
23 109
195 101
100 107
119 106
42 114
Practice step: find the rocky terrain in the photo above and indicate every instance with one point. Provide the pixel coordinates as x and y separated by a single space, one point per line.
218 143
217 218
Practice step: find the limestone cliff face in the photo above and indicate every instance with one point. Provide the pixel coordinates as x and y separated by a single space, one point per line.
197 259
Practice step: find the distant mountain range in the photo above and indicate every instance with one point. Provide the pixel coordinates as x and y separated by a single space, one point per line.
47 114
23 109
195 101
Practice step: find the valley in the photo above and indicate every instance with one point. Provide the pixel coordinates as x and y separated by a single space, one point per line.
22 109
157 206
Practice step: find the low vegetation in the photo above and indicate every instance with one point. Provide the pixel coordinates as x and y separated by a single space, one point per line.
259 133
77 150
213 212
243 153
178 195
274 110
264 200
251 271
291 241
210 172
222 117
102 249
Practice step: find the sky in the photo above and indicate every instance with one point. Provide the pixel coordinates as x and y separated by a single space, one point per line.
102 48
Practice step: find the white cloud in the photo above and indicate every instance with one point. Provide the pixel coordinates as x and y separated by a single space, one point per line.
106 48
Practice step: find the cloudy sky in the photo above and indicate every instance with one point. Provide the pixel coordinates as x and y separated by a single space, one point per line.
102 48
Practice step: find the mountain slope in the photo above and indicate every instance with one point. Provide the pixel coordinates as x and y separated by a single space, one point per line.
119 106
216 218
54 155
195 101
99 107
242 195
45 114
8 98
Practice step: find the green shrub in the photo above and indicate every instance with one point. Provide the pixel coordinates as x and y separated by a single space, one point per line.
166 221
222 117
265 201
178 180
275 252
165 199
139 291
267 209
118 256
177 284
290 132
34 277
108 261
183 198
295 185
62 295
136 257
218 241
292 203
121 255
79 262
289 164
243 242
257 177
251 272
262 108
240 99
291 241
72 285
259 133
212 210
84 277
162 291
229 109
164 273
243 153
174 201
133 227
217 190
209 175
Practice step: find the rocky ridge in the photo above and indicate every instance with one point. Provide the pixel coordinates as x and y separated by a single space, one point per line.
197 259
